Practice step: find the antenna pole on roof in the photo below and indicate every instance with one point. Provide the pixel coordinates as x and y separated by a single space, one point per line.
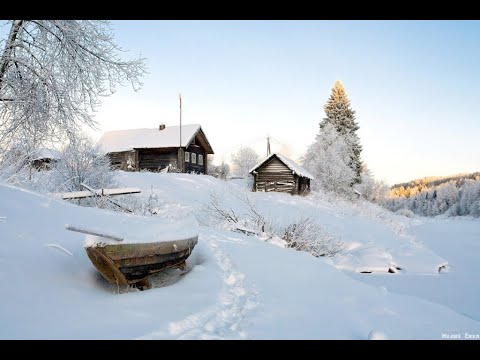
180 98
268 146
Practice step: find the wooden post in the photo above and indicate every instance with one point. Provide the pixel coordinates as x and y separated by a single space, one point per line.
180 99
137 160
181 160
205 162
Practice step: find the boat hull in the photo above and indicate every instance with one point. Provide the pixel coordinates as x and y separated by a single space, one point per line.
127 264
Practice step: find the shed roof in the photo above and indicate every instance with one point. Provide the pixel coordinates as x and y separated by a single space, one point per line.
292 165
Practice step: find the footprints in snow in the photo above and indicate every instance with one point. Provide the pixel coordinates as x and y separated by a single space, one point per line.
223 320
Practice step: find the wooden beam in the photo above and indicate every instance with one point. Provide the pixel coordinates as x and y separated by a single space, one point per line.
100 192
92 232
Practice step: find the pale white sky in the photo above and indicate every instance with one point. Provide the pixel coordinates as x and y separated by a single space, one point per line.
414 85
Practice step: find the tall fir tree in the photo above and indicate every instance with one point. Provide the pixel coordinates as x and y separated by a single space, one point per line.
342 117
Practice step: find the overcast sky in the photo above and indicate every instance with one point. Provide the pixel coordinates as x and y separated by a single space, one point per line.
413 84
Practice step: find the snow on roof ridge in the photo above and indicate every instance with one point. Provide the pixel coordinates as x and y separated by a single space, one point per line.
46 153
129 139
292 165
149 128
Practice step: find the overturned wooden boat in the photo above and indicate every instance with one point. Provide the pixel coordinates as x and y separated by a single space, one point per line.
125 264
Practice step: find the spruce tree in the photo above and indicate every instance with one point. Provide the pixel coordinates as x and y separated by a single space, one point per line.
342 117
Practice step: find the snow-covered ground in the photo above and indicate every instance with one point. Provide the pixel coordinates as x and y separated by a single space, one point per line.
238 286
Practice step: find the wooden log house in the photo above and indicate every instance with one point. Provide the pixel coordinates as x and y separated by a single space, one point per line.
279 173
158 149
44 158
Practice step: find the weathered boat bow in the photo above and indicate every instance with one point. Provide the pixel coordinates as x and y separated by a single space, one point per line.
131 263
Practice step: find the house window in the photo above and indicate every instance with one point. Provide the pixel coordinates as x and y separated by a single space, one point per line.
187 156
194 158
200 159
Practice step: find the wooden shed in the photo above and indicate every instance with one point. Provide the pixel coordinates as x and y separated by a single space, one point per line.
44 158
158 149
279 173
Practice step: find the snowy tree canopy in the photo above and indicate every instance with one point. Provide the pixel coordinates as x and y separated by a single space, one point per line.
342 117
52 73
328 160
243 160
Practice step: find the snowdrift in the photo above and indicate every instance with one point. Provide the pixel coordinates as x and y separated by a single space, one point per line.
238 286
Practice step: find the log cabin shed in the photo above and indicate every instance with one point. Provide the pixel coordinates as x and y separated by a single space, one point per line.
158 149
279 173
44 158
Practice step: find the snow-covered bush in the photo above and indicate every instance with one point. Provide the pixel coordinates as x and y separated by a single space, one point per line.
243 216
14 163
405 212
17 167
372 189
82 162
219 171
152 205
307 235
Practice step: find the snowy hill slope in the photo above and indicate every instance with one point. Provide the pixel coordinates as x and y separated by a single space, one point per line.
375 239
238 286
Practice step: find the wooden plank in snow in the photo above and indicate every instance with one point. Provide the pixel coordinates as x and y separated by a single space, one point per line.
100 192
92 232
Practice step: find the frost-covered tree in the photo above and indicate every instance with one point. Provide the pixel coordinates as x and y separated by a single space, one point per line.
82 162
339 113
15 163
52 74
452 198
219 171
373 190
244 160
328 159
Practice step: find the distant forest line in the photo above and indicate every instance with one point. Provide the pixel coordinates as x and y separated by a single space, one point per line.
457 195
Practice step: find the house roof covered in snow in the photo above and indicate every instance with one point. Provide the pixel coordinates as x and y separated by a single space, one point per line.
45 153
169 136
292 165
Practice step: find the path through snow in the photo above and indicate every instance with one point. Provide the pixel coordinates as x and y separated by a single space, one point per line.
224 319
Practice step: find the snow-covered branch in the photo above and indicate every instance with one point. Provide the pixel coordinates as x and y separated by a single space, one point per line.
53 73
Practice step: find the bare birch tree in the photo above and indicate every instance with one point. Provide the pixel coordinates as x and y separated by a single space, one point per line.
53 73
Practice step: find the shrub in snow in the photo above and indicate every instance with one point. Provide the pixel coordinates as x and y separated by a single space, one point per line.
14 163
405 212
219 171
17 167
139 204
82 162
307 235
373 190
302 235
246 217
